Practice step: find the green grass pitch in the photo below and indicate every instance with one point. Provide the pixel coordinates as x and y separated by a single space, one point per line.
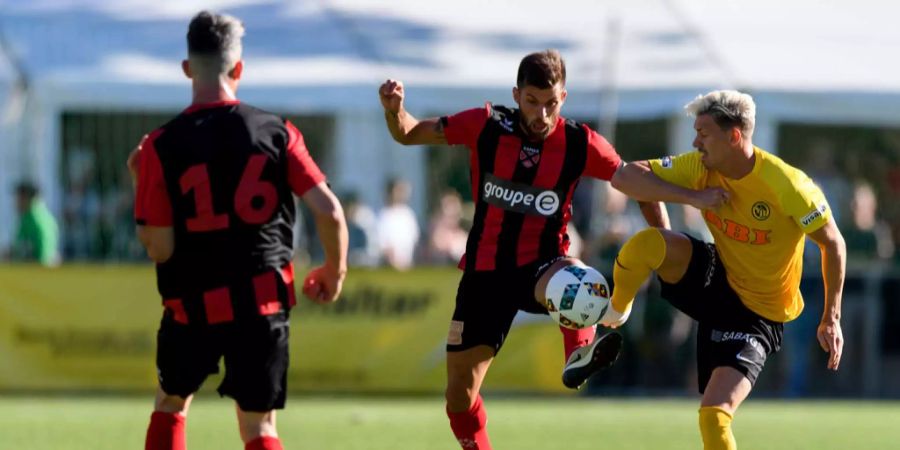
350 423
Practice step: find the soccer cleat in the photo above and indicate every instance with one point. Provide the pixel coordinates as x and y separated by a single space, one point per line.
591 359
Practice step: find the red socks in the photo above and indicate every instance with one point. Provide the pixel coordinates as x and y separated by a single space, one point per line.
264 443
469 427
166 432
575 339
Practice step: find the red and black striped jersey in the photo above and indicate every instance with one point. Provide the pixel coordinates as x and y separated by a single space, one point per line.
222 175
522 189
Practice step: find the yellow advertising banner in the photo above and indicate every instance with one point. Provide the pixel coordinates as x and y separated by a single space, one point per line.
94 328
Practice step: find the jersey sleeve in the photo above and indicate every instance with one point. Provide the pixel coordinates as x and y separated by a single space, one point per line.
806 203
602 159
303 173
464 127
685 170
152 205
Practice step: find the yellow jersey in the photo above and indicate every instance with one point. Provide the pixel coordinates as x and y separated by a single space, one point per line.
760 232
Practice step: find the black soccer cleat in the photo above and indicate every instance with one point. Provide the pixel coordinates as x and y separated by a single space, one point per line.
590 359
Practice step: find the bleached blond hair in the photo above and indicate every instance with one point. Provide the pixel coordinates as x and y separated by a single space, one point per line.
727 108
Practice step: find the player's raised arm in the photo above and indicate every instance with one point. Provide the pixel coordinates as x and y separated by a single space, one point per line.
638 181
834 262
405 128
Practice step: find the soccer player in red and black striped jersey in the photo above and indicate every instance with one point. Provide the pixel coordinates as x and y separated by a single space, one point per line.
215 210
525 165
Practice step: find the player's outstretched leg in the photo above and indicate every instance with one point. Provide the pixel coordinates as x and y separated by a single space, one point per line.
466 370
166 429
586 352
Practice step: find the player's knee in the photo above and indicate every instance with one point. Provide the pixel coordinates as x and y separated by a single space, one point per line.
646 248
171 404
460 393
540 288
459 396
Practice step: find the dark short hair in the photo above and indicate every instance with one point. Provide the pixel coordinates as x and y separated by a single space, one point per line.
542 70
213 34
26 189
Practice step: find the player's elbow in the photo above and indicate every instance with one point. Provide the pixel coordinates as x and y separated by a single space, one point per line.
839 245
330 214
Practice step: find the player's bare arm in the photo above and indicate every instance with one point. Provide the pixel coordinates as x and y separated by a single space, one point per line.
638 181
324 283
834 261
404 128
656 214
159 242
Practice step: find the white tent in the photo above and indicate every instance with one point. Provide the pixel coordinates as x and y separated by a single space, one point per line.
825 61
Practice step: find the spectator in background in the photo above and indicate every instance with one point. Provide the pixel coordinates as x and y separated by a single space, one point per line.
362 226
37 234
617 220
446 235
81 208
868 237
398 230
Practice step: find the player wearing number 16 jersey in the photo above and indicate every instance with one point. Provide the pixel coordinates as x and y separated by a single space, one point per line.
215 210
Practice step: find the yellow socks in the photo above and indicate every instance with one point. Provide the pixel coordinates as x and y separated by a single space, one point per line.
643 253
715 427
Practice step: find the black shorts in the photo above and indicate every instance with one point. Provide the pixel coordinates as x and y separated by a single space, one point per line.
487 303
256 359
729 333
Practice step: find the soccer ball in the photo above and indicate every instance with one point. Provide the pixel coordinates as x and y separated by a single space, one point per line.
577 296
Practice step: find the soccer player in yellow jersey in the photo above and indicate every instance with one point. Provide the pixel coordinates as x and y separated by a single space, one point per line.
743 288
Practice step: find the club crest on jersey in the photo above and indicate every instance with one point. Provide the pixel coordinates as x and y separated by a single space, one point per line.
597 289
761 211
529 156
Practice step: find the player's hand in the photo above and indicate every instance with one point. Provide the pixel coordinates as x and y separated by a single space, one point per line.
134 161
391 94
831 339
323 284
710 198
615 319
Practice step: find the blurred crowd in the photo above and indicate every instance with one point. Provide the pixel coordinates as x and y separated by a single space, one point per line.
97 225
